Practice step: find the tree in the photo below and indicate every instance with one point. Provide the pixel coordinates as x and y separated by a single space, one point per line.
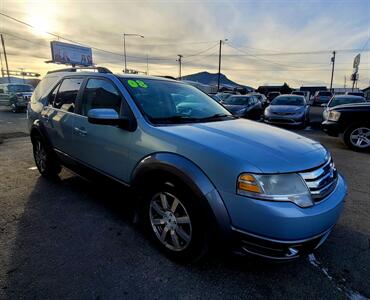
285 89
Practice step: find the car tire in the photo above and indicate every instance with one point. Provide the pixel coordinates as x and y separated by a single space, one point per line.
14 108
46 162
164 206
357 137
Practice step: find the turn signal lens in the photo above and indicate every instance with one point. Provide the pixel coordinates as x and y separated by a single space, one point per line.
247 183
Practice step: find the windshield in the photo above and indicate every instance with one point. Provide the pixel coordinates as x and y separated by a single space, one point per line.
237 100
164 102
342 100
326 94
16 88
224 96
283 100
260 97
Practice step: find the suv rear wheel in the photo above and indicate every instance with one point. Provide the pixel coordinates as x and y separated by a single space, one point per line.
357 137
45 161
173 219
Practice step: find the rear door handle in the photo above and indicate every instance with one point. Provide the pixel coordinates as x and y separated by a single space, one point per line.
80 131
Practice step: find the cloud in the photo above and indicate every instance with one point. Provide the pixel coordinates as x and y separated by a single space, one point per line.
258 29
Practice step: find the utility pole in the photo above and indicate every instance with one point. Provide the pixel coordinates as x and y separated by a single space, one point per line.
147 64
124 46
124 51
5 57
219 65
2 68
179 60
332 71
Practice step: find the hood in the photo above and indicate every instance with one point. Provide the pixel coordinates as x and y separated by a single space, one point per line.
364 105
23 94
250 145
285 108
235 108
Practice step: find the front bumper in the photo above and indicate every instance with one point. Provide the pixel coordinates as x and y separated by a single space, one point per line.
271 119
246 243
283 225
331 128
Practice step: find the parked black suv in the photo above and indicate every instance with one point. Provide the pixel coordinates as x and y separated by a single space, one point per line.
352 121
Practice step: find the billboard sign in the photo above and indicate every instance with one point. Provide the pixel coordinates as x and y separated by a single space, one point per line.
356 62
64 53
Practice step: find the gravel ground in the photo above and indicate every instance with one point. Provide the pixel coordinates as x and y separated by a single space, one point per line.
75 239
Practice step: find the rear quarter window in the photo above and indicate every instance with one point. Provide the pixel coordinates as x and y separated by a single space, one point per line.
43 88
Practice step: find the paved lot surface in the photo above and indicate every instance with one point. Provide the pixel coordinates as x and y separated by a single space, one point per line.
74 239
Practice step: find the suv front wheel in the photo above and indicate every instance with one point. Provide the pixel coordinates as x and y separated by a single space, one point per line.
174 221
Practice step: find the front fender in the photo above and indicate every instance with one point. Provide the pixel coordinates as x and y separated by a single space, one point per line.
194 178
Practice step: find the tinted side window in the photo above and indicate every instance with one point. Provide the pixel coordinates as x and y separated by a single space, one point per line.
53 94
100 93
67 94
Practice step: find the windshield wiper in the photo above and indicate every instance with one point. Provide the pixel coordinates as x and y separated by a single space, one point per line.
217 117
173 119
185 119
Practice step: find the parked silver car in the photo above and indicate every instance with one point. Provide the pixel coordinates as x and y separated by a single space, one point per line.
288 110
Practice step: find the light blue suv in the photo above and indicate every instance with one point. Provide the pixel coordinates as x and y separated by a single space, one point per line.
203 178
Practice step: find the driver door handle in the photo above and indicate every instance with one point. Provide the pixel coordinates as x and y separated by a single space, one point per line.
80 131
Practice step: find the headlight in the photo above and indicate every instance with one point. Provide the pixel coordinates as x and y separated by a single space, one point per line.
299 113
334 115
279 187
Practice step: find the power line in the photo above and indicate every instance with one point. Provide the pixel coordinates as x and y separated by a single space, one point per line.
363 48
202 51
201 57
262 59
96 48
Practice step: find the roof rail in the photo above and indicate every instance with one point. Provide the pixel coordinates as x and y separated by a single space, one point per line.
99 69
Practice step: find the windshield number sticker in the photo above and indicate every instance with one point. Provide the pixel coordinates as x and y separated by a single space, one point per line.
137 83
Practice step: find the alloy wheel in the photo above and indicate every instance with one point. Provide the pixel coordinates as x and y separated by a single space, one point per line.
170 221
14 107
40 156
360 137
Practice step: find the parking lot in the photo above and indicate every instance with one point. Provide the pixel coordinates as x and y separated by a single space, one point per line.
74 239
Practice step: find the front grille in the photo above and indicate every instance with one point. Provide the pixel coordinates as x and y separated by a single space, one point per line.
321 181
287 121
284 113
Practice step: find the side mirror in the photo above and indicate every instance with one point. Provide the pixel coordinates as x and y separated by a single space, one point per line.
106 116
323 105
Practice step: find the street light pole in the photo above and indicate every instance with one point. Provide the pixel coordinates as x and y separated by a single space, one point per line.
179 60
219 65
124 46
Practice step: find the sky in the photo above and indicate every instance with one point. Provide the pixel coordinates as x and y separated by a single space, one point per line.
268 42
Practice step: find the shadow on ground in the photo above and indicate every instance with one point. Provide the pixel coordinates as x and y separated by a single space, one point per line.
76 240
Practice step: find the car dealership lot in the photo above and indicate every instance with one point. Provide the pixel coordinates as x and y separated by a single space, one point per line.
74 239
